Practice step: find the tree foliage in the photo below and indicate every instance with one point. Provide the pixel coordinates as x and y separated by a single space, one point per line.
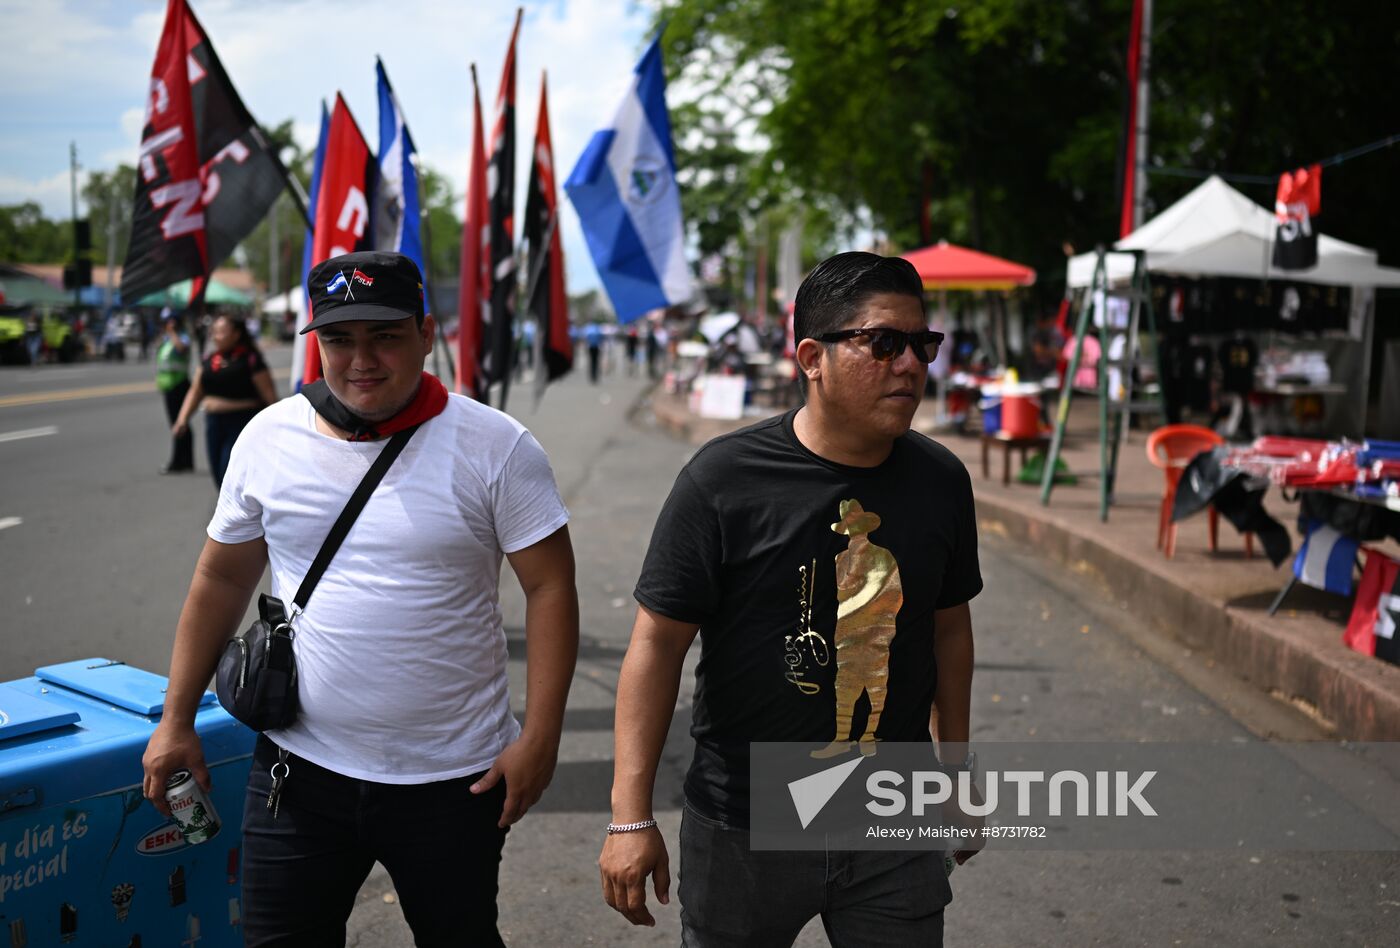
1014 110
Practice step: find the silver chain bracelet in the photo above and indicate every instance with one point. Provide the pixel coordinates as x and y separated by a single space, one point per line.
630 827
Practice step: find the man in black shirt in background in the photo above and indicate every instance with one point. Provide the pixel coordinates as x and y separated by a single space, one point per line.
826 557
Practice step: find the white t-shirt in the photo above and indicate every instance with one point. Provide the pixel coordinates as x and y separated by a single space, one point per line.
401 655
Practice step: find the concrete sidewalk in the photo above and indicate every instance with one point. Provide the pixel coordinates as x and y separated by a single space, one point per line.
1213 603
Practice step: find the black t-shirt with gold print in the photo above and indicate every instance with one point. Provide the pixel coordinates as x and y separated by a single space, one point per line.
815 586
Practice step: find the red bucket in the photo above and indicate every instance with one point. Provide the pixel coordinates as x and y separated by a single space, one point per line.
1020 410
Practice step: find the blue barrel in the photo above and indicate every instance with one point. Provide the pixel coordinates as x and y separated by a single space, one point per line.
991 415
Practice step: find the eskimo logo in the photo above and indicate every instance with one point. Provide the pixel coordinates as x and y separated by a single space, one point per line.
163 839
812 793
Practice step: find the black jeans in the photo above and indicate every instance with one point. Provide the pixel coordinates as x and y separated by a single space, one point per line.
221 430
734 897
302 870
181 446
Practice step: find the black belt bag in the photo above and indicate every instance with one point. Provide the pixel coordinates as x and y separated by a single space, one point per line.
257 675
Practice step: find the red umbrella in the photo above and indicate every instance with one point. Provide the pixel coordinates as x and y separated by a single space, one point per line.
946 266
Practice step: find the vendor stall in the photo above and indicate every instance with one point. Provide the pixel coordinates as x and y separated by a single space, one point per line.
1219 236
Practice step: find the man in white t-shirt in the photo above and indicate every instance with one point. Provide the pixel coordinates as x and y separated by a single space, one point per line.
404 750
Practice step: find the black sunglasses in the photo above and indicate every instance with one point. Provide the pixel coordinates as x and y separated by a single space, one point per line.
887 344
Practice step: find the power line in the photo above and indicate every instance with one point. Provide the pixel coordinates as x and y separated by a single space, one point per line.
1336 159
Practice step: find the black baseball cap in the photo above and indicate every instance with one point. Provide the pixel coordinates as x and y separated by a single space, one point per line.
372 284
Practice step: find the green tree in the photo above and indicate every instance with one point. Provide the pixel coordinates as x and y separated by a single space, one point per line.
1014 110
27 236
108 195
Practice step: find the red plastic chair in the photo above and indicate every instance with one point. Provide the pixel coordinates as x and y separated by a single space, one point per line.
1171 448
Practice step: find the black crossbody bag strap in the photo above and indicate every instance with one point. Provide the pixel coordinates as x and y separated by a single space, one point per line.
347 518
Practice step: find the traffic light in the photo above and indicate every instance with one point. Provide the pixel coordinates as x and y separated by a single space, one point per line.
77 275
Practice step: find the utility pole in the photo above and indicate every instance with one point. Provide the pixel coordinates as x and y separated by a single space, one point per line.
73 186
1140 152
114 200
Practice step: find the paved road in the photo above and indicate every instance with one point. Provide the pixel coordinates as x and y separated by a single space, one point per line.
101 555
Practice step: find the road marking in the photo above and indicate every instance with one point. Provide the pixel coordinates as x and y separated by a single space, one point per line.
99 391
7 522
28 433
73 394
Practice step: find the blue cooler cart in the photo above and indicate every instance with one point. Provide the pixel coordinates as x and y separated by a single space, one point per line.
84 858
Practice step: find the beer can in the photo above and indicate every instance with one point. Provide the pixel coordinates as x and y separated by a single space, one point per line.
194 812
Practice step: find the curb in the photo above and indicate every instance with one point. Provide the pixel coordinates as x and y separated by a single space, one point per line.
1356 695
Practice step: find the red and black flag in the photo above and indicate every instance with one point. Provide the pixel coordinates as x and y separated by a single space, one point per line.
1127 154
1298 201
1375 616
474 292
498 342
343 196
205 176
547 303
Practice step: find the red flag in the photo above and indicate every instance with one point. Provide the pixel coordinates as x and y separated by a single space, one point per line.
205 176
1130 156
342 205
1298 201
498 339
548 302
474 292
1376 613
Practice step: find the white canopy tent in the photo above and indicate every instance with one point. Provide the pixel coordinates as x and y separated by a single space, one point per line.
1215 231
292 301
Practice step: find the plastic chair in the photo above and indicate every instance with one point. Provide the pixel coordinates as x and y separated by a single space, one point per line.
1171 448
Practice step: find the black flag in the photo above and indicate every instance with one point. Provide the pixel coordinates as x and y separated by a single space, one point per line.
498 346
206 176
1297 204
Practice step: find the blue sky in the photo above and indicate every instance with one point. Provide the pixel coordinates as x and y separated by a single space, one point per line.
76 71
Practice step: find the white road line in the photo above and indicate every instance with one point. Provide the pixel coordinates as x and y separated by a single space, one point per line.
29 433
7 522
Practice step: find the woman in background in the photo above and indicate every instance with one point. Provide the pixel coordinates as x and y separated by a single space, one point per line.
234 384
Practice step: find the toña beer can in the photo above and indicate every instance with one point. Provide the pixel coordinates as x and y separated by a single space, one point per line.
194 813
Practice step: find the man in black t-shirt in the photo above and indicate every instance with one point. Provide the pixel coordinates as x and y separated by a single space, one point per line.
826 558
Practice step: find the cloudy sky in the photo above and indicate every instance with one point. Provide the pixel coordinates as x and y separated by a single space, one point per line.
76 71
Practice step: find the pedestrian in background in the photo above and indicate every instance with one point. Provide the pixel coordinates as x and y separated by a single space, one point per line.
233 384
837 513
173 383
593 336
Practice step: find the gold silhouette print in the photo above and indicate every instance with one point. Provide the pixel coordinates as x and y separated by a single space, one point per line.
808 643
868 596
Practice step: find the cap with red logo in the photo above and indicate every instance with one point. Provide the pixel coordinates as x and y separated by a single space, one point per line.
372 284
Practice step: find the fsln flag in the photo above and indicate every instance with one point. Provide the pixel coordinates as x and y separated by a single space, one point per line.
1372 627
342 204
299 342
624 189
394 217
205 174
474 291
1299 200
548 303
499 340
1326 559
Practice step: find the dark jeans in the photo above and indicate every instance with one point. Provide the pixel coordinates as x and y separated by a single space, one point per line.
594 353
302 871
181 446
221 430
734 897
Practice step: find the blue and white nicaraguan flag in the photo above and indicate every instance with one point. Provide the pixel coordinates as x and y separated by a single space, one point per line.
304 314
624 189
395 217
1326 559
